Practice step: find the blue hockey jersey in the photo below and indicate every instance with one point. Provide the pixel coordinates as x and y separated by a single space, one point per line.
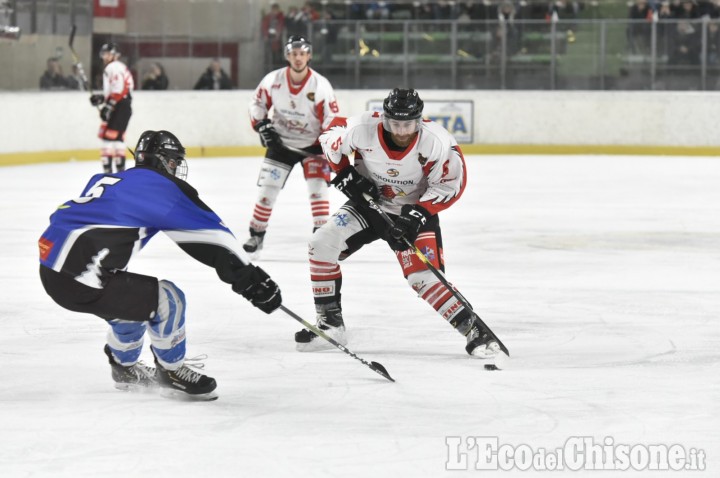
97 233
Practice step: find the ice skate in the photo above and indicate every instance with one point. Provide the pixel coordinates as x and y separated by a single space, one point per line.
185 383
138 377
330 321
480 343
254 244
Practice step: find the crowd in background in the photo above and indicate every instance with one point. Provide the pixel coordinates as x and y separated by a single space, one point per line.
54 79
680 40
154 78
678 33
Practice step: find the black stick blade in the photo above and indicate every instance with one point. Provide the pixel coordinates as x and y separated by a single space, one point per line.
381 370
72 36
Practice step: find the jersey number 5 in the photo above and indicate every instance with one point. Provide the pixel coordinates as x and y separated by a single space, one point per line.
97 189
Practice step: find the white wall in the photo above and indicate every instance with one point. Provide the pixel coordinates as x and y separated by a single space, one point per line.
65 120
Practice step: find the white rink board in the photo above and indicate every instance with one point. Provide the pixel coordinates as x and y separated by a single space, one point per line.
66 121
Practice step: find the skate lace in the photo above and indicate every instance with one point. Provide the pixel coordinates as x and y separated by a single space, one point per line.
143 370
473 333
186 373
321 324
331 319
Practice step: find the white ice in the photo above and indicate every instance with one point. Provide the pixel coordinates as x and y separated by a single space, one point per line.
600 274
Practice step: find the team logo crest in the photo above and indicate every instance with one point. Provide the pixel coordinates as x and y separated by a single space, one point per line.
311 96
428 252
275 174
341 220
391 192
393 173
292 104
422 159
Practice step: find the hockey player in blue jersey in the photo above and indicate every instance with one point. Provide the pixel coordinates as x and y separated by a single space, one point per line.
84 255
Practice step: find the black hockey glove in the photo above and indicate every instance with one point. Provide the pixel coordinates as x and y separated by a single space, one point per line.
107 110
407 226
256 286
268 136
96 100
354 185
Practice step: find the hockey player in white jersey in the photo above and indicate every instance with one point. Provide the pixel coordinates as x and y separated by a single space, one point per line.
116 108
413 169
303 105
86 250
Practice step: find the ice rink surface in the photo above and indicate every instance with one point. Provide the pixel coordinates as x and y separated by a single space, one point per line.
600 274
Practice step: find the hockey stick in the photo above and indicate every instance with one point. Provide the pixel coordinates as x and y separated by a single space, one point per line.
441 277
373 365
76 60
303 152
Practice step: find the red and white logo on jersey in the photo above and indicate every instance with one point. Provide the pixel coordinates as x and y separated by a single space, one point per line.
336 144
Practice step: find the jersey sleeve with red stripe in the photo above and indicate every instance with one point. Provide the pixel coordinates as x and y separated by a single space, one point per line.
326 106
333 141
445 170
262 99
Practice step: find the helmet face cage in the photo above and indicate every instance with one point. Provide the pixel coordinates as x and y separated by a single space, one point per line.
174 165
402 111
298 41
162 150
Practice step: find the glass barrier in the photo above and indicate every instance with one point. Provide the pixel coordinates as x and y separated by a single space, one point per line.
561 54
531 54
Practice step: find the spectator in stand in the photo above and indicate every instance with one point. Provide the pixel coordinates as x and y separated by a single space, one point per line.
377 11
309 12
214 78
53 78
155 79
325 37
640 28
507 14
712 9
563 9
273 29
713 51
664 28
75 81
295 23
479 11
686 41
675 8
425 11
356 11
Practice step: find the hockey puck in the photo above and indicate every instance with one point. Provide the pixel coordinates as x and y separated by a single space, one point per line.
491 366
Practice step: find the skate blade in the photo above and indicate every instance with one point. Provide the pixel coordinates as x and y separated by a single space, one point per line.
186 397
136 388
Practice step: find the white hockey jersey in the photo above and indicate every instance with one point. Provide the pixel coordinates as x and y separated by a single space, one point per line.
300 113
429 172
117 81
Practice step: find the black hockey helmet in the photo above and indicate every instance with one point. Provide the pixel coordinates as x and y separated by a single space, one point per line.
402 111
161 150
402 105
109 48
298 41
